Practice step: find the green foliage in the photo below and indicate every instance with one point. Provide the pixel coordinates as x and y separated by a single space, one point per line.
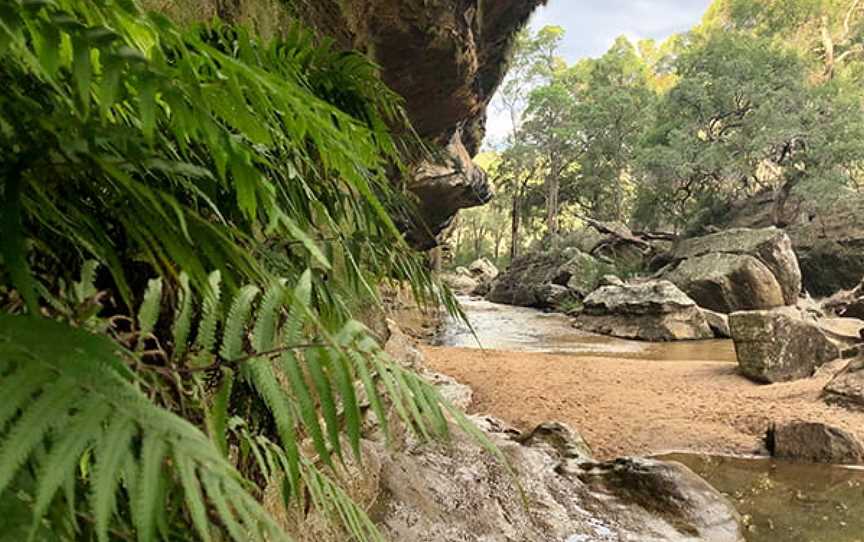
152 397
741 119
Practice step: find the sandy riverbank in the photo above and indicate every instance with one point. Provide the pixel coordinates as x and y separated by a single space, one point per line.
631 406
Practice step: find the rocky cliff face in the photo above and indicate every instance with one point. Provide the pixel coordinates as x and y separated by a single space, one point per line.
446 58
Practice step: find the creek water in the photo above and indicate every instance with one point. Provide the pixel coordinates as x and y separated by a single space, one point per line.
780 501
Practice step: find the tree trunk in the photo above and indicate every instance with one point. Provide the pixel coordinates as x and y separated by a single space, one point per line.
553 187
515 217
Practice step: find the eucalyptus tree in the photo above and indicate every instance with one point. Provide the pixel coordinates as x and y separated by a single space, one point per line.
742 118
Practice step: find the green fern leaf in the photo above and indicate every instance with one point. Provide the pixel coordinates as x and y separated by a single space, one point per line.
317 363
266 324
308 412
109 457
217 416
148 313
235 326
147 492
182 319
193 496
205 339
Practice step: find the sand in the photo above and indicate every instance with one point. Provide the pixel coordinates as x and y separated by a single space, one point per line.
638 407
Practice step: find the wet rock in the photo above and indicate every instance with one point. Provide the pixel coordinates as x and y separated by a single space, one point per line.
737 269
651 311
558 439
718 322
667 490
776 346
815 443
461 493
847 387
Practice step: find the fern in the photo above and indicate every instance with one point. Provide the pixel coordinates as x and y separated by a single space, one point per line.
66 378
152 155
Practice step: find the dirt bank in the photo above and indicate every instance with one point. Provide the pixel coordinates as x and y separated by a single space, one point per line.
627 406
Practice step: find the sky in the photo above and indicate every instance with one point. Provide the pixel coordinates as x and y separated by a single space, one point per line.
591 27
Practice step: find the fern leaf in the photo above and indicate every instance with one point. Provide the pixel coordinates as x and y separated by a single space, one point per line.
85 288
264 380
316 363
266 324
109 456
205 339
217 416
147 491
90 374
308 412
182 319
29 430
235 326
350 408
65 454
193 496
148 313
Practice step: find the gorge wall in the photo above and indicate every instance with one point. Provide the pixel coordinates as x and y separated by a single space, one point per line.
446 58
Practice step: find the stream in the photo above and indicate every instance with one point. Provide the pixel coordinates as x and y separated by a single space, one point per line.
780 501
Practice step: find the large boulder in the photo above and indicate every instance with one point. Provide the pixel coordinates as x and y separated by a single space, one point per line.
651 311
815 443
461 493
778 345
737 269
827 233
544 279
847 387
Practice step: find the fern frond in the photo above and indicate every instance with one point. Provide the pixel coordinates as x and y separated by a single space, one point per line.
182 325
85 374
235 325
205 339
148 312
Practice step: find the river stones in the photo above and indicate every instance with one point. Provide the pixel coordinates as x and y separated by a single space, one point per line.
650 311
737 269
815 443
776 346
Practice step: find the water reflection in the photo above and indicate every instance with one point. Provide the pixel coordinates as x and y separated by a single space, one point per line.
521 329
787 502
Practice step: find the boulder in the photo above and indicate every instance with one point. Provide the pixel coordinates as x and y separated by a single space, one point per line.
525 282
651 311
737 269
846 389
777 346
815 443
581 273
827 233
847 303
433 493
428 491
460 283
718 322
482 269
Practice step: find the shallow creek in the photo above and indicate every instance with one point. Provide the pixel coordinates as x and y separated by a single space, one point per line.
781 501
